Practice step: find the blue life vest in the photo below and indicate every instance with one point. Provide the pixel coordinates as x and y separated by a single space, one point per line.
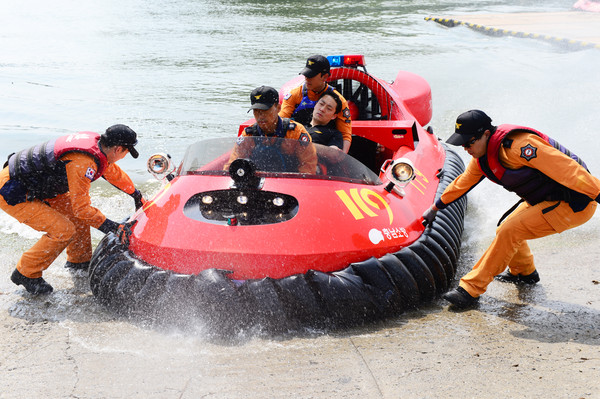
283 125
304 110
270 157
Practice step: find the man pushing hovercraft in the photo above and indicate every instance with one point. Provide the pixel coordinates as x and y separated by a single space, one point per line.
47 188
556 189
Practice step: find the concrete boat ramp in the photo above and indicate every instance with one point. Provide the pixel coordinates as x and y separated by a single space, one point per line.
571 29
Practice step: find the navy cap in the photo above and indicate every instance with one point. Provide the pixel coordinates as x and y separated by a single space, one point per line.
469 124
316 64
263 97
123 136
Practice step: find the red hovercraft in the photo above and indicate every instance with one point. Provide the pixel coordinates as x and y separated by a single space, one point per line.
263 246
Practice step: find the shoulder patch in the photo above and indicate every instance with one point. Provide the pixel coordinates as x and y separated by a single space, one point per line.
346 113
287 96
239 140
292 126
528 152
90 173
304 137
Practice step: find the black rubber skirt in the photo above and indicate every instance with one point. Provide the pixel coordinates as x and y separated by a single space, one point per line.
363 292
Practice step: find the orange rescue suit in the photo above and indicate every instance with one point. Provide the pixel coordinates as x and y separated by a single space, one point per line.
66 218
298 143
509 247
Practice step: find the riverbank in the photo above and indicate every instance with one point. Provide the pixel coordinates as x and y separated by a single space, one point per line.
530 342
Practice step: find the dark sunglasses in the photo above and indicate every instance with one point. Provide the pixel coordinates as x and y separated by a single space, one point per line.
469 143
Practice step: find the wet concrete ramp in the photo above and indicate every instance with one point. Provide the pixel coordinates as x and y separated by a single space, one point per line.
572 29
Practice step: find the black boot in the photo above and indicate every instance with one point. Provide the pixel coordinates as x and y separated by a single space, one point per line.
518 279
460 298
34 286
77 266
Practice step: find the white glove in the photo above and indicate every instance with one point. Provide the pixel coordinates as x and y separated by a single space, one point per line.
428 216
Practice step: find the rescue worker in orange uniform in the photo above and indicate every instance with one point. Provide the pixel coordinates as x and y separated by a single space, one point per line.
557 190
47 188
265 105
299 103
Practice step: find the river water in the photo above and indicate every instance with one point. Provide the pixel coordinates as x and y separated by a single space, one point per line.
181 70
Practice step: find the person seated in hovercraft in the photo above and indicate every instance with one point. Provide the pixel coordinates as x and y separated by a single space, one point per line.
322 128
557 193
300 102
296 154
47 188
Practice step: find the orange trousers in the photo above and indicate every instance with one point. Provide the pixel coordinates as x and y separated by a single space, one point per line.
62 230
510 248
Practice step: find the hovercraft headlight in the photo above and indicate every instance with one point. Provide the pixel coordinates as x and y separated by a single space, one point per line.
403 172
400 173
160 165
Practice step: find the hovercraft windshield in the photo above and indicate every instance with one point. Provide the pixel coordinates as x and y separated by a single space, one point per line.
276 157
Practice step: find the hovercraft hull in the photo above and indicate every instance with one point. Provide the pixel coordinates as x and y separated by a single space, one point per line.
361 292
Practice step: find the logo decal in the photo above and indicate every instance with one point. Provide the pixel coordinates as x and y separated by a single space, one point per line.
310 62
258 96
393 233
528 152
360 203
458 125
77 136
90 173
375 236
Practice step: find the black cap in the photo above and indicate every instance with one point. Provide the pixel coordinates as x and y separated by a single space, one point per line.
315 64
263 97
121 135
469 124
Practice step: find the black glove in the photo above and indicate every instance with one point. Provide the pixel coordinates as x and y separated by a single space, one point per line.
124 232
428 216
109 226
138 198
